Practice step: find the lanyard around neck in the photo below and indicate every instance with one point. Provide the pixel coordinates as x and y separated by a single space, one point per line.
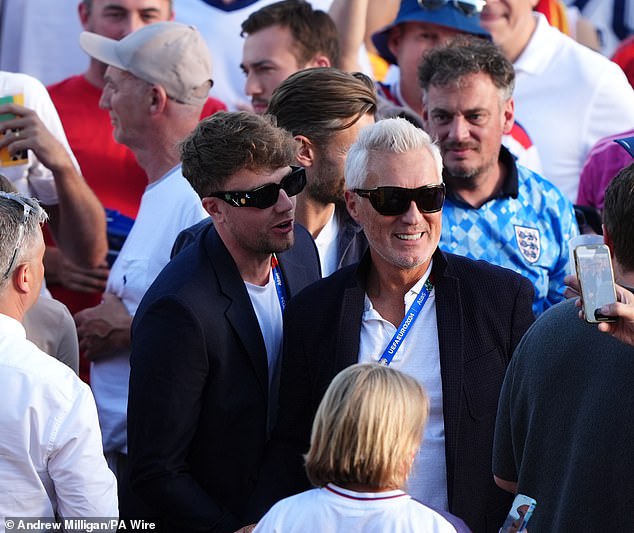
403 329
279 282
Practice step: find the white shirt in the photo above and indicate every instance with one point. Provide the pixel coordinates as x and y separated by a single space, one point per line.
568 97
326 243
332 509
418 356
168 206
33 178
51 460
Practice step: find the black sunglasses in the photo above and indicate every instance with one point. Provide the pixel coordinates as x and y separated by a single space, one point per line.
392 201
266 195
467 7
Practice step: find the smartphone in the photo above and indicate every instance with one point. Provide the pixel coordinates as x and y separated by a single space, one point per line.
596 279
519 514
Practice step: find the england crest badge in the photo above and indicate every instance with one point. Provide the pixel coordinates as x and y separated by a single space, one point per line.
529 242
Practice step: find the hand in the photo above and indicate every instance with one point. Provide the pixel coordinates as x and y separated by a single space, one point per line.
623 328
103 329
572 287
31 133
62 271
623 310
246 529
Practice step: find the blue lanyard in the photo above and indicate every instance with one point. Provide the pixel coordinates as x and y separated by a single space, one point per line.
279 282
408 320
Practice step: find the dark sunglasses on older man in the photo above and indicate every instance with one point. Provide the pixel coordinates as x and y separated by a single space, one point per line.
467 7
392 201
266 195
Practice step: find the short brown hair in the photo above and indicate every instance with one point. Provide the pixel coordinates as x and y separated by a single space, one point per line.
313 31
318 102
618 216
226 142
463 56
368 428
88 4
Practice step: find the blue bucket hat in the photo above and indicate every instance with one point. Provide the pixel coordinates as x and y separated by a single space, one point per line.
447 15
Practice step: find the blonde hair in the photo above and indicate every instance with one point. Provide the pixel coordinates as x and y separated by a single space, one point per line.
368 428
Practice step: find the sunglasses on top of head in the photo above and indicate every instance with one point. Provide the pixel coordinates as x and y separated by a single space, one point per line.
466 7
392 201
266 195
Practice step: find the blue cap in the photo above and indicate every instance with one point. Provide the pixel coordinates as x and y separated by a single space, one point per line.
627 143
447 16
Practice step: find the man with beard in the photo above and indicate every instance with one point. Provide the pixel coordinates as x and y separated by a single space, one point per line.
324 109
207 336
495 210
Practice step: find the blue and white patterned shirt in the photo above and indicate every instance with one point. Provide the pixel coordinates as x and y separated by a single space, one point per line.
526 228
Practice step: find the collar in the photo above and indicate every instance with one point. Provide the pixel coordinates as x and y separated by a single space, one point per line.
365 496
540 48
510 186
10 327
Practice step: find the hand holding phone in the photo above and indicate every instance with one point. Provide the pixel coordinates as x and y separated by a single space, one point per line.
596 280
519 514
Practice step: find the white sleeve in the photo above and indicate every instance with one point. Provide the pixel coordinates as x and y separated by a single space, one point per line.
84 485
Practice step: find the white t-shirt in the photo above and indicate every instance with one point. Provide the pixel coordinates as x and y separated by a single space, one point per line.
332 509
568 97
168 206
418 356
51 460
326 243
33 178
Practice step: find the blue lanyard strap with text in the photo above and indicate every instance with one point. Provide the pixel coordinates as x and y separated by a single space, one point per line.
279 282
401 332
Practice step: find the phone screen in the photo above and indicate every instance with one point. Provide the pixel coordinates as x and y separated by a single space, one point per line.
594 270
519 514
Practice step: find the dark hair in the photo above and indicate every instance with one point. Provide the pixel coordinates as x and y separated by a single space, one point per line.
313 31
463 56
618 216
318 102
226 142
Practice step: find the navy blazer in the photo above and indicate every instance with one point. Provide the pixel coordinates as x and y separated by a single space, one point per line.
199 386
482 312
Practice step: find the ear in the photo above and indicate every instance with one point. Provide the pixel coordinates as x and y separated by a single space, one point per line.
394 40
352 204
319 61
158 99
425 111
213 207
23 279
306 154
509 115
607 239
84 14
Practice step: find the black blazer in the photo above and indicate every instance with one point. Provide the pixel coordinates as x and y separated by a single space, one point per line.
482 312
197 410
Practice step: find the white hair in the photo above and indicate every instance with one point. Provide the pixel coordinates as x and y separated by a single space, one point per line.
391 135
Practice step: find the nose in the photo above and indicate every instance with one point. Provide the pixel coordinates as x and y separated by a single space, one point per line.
284 202
412 216
459 129
251 85
104 99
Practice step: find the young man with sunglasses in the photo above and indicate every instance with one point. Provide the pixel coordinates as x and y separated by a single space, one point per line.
422 26
449 321
206 340
495 210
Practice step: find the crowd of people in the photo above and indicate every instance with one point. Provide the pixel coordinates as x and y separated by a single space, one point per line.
308 266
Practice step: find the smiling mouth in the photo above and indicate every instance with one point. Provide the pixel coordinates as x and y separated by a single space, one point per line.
409 236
